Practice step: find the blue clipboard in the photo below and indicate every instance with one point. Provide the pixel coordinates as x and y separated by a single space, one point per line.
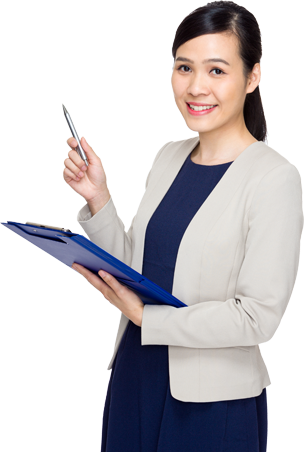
68 247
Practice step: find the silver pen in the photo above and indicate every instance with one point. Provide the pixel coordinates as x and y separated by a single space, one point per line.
79 149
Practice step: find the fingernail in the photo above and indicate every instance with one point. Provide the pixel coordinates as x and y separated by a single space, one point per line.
102 273
83 168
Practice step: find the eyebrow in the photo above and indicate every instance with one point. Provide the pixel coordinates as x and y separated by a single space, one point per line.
209 60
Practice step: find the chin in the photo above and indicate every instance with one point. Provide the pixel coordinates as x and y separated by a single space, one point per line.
194 128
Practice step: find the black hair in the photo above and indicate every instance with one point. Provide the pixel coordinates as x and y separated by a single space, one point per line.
227 16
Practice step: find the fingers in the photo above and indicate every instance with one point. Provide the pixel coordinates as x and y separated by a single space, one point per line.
69 175
74 156
93 158
72 142
112 282
75 164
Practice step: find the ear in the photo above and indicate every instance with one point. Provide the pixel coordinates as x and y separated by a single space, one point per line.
254 78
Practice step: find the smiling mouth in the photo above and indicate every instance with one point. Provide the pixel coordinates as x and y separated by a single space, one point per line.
200 107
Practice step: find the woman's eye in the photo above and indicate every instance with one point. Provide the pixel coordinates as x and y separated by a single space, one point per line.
217 69
183 65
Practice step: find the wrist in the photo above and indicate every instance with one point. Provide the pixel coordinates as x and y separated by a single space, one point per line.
98 202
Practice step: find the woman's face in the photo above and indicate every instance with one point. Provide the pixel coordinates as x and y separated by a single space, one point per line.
199 81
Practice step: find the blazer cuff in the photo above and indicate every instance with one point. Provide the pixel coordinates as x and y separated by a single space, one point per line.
93 224
152 319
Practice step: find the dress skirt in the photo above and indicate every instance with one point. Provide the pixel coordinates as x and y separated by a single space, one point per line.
140 414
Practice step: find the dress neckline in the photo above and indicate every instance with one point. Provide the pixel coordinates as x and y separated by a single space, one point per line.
207 166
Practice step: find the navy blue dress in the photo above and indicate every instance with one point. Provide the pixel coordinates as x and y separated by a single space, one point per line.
140 415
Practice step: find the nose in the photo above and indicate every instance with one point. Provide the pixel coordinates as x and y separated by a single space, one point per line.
198 84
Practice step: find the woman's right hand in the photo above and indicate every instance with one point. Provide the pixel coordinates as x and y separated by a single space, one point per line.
91 182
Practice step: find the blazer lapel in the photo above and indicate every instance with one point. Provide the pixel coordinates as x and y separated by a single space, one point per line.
202 222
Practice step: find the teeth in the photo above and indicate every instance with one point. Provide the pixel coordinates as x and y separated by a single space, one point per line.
196 108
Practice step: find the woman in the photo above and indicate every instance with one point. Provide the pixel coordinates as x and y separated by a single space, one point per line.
232 258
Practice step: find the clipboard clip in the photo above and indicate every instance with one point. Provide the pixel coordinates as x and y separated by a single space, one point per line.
48 227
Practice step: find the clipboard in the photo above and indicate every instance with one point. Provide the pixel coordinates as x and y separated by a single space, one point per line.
69 247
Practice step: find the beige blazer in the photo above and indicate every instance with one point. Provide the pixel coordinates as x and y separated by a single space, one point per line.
235 269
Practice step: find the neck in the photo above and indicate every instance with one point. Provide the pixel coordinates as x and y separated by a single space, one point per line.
220 148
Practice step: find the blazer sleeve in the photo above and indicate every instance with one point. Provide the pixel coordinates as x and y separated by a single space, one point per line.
265 281
107 230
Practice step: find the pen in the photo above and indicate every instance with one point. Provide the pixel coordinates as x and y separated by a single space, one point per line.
79 149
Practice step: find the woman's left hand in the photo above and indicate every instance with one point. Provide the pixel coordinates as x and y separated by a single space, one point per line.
120 296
